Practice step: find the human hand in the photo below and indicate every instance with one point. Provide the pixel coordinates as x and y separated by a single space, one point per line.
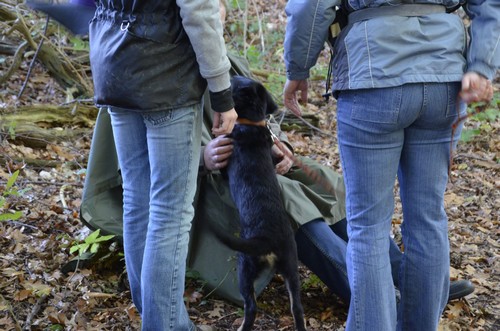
216 153
224 122
476 88
290 95
285 161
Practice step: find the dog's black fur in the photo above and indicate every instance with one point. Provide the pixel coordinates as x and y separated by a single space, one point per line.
266 235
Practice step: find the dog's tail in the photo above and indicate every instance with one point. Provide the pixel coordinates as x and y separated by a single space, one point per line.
256 246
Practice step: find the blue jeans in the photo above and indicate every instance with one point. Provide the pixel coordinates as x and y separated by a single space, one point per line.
403 131
322 248
158 153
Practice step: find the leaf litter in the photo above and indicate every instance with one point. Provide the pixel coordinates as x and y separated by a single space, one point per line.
35 294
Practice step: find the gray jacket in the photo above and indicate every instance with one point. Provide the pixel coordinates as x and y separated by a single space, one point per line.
158 54
394 50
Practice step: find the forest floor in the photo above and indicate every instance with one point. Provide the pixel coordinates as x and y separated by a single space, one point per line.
40 291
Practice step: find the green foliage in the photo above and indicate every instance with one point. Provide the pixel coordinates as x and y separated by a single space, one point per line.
254 56
312 281
92 243
193 274
274 84
485 115
79 44
12 130
9 191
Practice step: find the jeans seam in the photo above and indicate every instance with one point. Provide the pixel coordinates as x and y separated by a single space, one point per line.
174 282
185 198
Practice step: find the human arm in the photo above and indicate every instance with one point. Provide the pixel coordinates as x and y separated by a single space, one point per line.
476 88
202 22
307 27
483 53
216 152
282 151
224 122
290 95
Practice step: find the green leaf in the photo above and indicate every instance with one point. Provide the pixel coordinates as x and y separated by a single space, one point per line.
92 237
104 238
74 249
94 247
467 135
11 216
83 248
12 180
12 130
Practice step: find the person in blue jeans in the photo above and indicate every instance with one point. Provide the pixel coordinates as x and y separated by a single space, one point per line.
151 63
402 75
316 207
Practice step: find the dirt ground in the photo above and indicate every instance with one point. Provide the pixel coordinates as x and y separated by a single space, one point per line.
35 293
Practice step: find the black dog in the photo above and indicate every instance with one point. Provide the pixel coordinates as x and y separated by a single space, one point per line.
266 235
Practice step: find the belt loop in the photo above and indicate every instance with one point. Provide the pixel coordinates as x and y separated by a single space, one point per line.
124 26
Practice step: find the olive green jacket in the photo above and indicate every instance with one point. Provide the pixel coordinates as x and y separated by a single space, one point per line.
304 199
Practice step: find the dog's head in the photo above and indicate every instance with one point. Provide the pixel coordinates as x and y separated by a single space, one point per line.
251 99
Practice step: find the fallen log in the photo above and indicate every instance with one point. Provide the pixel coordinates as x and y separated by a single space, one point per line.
38 125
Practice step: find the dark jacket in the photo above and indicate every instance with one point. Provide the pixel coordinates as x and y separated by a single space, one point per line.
156 55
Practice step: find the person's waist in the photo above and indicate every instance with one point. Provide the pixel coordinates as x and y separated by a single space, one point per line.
119 17
408 10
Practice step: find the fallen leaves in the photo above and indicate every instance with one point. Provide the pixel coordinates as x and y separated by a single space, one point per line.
35 247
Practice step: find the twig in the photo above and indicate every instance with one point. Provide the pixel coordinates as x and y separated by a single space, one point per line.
62 197
16 63
32 64
261 32
218 285
24 224
40 182
74 272
307 124
245 29
34 311
471 156
227 315
39 163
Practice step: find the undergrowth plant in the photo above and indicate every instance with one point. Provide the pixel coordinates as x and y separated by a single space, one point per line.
90 243
10 191
484 114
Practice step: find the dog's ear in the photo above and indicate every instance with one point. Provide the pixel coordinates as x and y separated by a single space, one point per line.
267 99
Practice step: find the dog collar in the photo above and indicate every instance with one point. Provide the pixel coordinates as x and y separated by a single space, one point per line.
245 121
